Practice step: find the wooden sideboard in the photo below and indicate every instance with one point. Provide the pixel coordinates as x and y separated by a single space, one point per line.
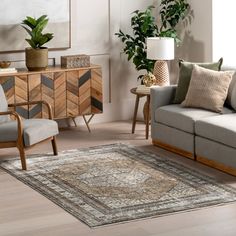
70 92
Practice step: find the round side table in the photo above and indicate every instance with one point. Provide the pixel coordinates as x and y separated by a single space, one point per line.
138 96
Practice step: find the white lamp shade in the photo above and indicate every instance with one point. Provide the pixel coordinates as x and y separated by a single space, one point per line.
160 48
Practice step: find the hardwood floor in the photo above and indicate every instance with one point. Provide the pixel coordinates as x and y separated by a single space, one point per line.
24 211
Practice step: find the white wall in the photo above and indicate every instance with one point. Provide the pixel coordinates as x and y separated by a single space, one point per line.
199 36
224 33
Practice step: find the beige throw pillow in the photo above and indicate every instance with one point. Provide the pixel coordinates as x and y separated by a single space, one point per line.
208 89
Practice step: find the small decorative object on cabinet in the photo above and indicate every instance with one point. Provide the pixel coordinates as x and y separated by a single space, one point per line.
7 70
70 92
75 61
4 64
36 56
149 79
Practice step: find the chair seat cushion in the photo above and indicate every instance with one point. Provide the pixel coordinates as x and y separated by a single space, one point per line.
34 130
221 129
183 118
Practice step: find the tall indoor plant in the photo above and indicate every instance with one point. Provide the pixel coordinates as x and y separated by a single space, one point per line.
36 55
144 25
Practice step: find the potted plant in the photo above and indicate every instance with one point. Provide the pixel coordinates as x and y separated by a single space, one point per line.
36 56
144 25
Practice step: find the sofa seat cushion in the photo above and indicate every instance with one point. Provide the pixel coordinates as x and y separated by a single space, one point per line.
183 118
220 129
34 131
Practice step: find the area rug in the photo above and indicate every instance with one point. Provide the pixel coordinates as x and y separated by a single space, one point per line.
117 183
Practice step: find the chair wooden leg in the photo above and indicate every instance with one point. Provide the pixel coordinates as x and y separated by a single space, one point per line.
22 157
54 146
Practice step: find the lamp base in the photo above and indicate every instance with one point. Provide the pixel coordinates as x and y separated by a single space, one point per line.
161 73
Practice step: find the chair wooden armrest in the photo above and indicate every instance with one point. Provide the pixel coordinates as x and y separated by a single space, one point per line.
34 103
18 120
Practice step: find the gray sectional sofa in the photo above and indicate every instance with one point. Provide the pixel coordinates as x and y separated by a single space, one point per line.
202 135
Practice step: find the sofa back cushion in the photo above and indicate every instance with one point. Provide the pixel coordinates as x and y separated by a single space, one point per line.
185 72
208 89
231 97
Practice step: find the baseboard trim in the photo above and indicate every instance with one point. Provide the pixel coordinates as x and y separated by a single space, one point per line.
217 165
173 149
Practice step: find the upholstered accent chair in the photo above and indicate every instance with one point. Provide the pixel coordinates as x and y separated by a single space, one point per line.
21 133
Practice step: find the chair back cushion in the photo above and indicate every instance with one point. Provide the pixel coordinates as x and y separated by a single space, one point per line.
3 106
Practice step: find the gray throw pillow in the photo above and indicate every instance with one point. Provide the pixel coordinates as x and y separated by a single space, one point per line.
231 98
185 72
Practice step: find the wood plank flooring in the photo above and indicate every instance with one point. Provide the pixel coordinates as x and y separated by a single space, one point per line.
23 211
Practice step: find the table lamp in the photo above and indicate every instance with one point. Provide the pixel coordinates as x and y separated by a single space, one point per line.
161 49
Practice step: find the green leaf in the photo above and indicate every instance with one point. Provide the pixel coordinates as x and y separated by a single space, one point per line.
30 21
41 18
130 55
31 43
27 30
40 26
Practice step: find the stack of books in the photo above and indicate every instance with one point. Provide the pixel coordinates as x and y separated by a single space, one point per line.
143 89
7 70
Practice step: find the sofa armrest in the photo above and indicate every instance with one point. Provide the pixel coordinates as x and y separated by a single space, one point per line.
161 96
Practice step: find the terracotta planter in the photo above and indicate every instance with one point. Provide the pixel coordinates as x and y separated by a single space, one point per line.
36 59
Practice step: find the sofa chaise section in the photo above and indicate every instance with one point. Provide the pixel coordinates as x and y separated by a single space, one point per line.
193 133
173 126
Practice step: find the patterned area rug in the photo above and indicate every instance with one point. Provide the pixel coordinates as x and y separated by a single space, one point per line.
116 183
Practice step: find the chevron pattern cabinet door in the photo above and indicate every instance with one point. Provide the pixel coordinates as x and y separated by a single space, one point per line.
60 94
21 95
72 92
47 91
35 94
96 91
85 91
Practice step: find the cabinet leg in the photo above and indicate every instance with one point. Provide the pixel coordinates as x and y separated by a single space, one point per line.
87 121
73 119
